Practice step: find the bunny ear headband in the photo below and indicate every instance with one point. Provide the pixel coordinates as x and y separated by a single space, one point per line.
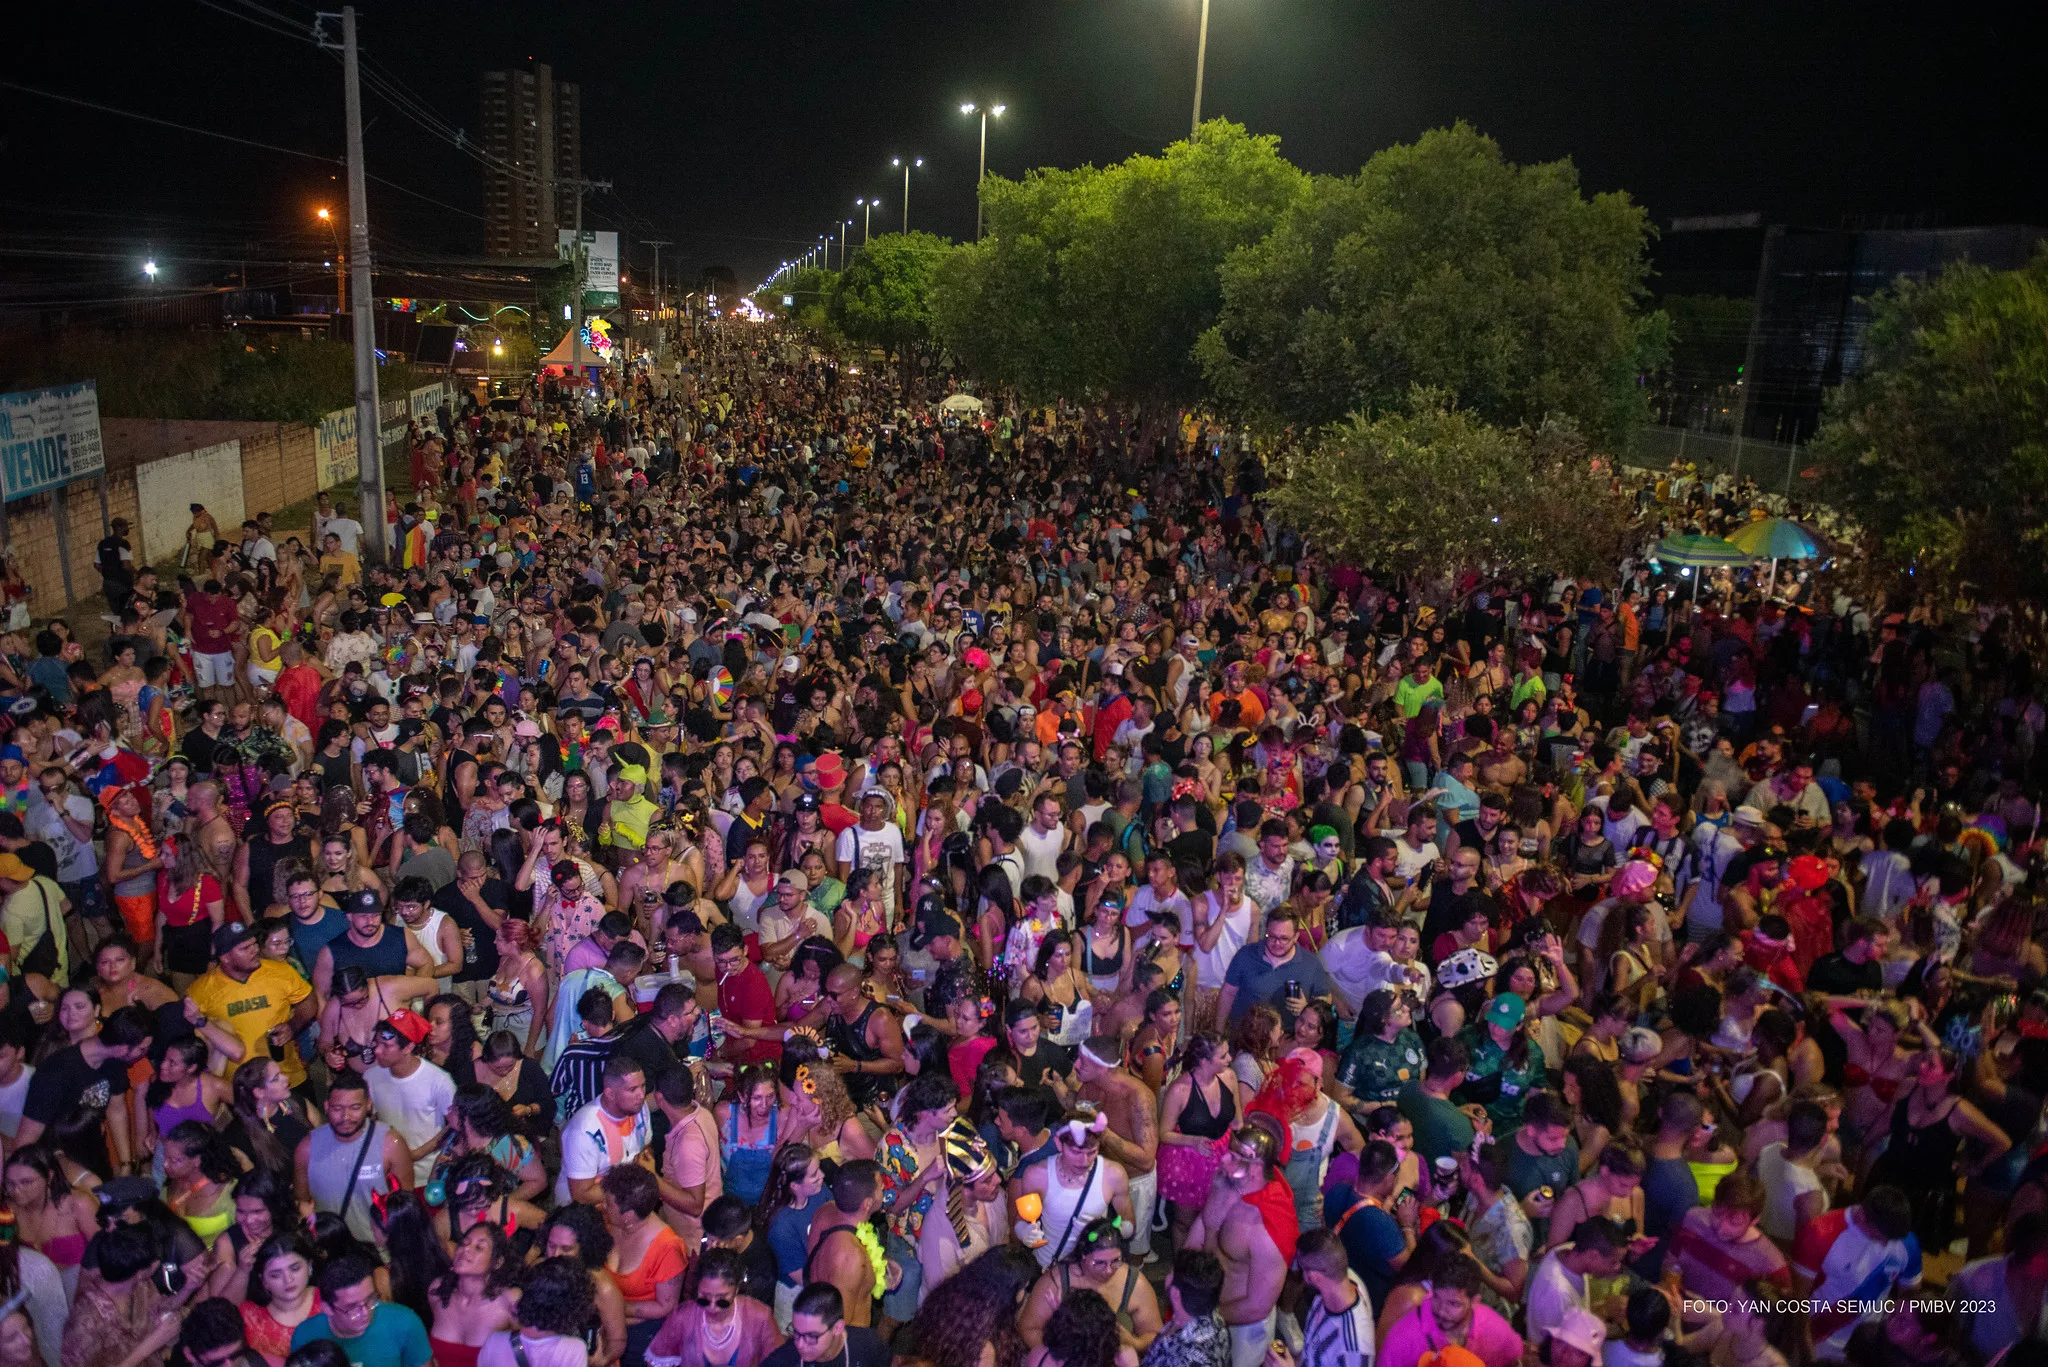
1079 1128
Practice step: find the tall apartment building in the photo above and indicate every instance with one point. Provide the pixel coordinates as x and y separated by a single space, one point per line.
533 124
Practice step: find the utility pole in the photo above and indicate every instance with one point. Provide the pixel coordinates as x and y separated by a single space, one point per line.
579 261
657 243
1201 60
369 440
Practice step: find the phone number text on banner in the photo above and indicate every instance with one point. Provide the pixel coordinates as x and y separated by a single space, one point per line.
49 438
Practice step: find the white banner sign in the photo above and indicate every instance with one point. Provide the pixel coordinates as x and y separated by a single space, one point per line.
50 437
425 400
334 449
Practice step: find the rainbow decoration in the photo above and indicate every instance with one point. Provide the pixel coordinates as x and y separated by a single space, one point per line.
720 681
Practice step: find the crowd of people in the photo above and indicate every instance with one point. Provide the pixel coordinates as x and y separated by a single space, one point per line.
771 874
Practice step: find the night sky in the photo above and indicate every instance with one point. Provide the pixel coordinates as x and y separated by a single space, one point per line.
741 130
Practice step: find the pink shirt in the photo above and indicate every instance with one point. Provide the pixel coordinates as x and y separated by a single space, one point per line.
690 1159
1415 1333
586 954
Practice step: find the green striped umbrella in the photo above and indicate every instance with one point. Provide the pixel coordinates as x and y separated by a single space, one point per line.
1700 551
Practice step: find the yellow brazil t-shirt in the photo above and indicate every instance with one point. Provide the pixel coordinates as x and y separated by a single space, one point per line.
250 1009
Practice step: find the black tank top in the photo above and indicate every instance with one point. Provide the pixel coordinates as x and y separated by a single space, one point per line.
1211 1125
385 959
264 857
851 1039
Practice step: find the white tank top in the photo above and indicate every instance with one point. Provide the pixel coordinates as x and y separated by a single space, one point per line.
1041 853
429 936
1061 1220
1319 1135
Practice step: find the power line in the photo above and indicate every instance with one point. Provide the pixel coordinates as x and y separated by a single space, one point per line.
229 137
165 123
271 22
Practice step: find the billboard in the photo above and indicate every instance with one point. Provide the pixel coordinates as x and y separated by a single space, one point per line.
601 275
49 437
334 449
425 400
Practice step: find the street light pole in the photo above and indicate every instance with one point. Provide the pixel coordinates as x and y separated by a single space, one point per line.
340 261
1201 60
867 215
981 174
845 231
906 165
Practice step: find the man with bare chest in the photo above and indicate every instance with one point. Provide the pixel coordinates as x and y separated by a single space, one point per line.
213 837
1132 1138
1248 1222
837 1254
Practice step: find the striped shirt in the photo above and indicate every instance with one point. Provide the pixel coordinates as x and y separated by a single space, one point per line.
579 1074
1346 1339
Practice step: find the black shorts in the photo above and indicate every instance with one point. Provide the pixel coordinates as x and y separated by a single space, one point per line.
188 949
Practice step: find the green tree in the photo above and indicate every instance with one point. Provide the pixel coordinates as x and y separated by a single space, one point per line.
1096 283
810 290
883 298
1938 449
1442 266
1432 485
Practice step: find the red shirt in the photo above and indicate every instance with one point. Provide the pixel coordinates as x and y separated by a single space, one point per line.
1107 719
213 617
299 686
1813 929
1774 962
747 998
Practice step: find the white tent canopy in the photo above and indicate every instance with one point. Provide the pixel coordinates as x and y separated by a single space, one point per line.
960 403
570 351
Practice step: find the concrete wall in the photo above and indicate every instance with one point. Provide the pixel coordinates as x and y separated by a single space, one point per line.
31 537
168 488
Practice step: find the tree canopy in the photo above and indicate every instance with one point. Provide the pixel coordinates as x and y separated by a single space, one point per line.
1441 266
1097 282
1429 485
883 297
1938 449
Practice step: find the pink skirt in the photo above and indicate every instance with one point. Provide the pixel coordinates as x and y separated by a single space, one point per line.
1187 1170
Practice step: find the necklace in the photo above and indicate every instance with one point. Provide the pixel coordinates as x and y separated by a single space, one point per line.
717 1341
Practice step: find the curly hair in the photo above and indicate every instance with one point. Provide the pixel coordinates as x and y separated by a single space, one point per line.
976 1306
1253 1033
1082 1331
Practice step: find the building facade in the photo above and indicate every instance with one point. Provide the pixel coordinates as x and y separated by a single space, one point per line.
533 150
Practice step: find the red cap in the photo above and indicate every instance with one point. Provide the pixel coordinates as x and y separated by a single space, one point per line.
410 1024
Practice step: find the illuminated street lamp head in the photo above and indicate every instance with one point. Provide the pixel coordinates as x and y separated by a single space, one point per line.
149 268
967 108
324 215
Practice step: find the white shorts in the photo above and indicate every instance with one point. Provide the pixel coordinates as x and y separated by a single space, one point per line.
261 678
1144 1198
214 671
1249 1342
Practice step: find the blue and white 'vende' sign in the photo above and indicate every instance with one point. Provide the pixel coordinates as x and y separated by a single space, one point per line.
49 437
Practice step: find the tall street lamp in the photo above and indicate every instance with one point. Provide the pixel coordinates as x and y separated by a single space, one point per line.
845 231
1201 59
340 261
982 174
906 165
867 209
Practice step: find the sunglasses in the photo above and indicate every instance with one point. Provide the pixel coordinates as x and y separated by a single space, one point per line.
715 1302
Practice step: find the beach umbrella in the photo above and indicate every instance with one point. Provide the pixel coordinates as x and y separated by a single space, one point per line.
1699 552
1778 538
